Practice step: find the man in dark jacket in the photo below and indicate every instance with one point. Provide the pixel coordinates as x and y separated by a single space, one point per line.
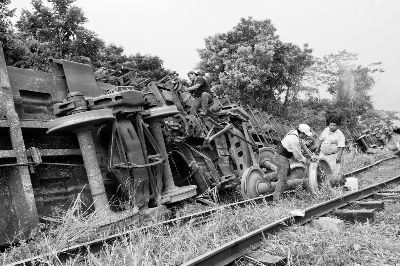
201 92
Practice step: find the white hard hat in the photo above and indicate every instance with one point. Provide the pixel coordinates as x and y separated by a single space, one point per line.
305 129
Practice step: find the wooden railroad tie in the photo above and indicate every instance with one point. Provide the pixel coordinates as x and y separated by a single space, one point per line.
387 196
376 205
395 191
352 216
262 258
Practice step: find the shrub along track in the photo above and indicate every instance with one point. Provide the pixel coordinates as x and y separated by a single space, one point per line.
97 244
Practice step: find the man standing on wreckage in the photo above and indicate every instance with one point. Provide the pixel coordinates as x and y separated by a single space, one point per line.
330 147
201 92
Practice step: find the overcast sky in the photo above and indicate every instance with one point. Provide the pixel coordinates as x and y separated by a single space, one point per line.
174 29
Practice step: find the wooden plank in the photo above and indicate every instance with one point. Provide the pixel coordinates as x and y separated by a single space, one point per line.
377 205
361 216
386 196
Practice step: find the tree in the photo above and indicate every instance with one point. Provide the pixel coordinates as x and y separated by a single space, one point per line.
5 19
136 69
111 56
349 84
311 111
148 66
57 31
7 33
251 65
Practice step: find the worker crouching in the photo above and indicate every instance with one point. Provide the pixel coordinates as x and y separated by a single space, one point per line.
201 93
290 146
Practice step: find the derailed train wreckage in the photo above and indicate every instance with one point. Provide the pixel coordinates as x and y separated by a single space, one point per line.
123 150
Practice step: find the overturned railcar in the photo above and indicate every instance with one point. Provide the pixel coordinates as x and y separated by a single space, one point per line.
63 136
124 150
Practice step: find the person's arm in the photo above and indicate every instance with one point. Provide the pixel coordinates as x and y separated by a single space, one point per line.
317 144
185 83
296 150
200 81
306 149
309 153
341 146
187 97
320 140
194 87
339 155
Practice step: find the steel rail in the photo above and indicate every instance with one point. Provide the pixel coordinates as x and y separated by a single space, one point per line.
236 248
369 166
95 245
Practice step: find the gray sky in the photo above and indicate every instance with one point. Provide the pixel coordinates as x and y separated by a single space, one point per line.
174 29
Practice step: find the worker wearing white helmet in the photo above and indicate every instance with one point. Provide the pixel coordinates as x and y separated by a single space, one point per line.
290 146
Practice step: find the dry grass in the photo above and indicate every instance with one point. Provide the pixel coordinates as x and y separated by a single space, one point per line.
354 159
64 230
359 244
175 245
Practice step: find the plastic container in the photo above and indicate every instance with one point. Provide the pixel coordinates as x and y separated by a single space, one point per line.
351 183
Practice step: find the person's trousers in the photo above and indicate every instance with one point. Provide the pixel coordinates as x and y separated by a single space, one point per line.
283 170
204 100
336 178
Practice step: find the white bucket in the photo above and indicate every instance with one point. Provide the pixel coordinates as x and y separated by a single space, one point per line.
351 183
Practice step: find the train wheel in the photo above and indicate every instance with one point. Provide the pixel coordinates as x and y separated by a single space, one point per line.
265 156
297 171
318 172
252 184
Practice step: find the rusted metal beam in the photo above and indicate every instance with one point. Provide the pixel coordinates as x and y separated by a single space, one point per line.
26 124
43 153
96 184
19 181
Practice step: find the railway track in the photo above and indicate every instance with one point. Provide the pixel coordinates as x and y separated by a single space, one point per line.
95 245
237 248
362 169
231 250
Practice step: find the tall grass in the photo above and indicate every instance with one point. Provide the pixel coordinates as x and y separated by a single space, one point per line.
63 230
177 244
354 158
358 244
